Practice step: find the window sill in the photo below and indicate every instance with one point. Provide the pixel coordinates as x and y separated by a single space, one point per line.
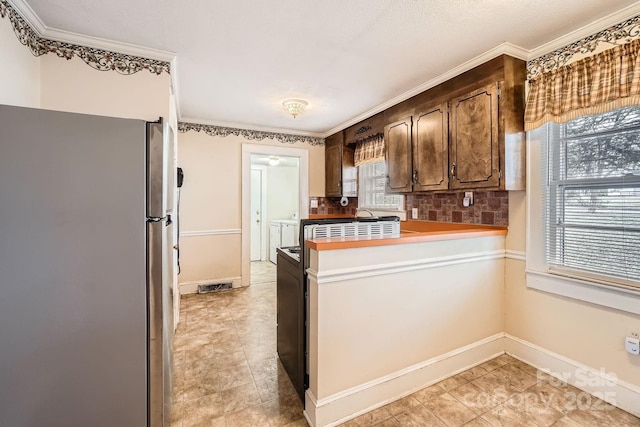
621 298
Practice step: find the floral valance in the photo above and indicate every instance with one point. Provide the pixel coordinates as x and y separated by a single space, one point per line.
593 85
369 150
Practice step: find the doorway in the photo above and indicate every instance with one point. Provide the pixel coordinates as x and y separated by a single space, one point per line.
281 173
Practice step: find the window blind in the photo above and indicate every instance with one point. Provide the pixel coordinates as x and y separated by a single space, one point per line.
592 197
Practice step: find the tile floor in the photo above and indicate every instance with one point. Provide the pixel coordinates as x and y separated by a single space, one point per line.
227 374
262 272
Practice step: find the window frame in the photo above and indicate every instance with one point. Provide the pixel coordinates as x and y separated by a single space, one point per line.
363 187
539 275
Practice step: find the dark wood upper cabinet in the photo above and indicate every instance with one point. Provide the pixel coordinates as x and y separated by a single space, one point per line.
474 145
341 176
365 129
397 137
465 133
430 149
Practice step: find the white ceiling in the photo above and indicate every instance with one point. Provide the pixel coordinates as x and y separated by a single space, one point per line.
238 59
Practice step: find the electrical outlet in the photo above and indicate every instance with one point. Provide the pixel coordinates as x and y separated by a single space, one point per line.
635 334
469 196
414 213
314 203
632 345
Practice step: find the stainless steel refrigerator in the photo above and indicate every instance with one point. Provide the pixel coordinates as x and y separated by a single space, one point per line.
85 298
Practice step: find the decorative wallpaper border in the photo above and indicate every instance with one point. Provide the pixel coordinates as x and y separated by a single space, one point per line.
213 130
621 33
99 59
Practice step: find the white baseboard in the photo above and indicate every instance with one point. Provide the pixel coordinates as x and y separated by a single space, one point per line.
341 407
599 383
349 404
192 287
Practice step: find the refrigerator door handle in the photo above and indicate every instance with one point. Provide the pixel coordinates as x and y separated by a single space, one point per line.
157 218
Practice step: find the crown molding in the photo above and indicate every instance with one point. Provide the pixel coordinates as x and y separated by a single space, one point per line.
108 45
100 54
586 31
45 32
29 16
502 49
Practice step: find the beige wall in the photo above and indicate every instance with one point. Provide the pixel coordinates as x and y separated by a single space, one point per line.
590 334
211 202
20 70
76 87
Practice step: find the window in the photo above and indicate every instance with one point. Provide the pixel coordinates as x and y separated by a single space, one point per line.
592 197
371 180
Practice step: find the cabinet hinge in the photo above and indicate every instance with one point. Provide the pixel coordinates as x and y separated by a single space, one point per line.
499 91
500 174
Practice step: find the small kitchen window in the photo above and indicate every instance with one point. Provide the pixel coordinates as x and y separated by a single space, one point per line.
371 191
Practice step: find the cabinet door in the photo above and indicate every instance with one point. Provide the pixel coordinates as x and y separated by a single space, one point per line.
333 166
431 149
474 150
397 138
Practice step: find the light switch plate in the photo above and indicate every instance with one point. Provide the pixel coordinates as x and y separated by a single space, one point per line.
414 213
314 203
632 345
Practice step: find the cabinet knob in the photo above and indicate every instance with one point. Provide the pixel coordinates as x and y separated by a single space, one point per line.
415 176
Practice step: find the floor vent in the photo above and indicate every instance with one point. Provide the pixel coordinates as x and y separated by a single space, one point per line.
213 287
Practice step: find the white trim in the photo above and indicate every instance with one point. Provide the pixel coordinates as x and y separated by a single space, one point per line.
29 15
517 255
625 395
620 298
338 408
502 49
537 277
210 232
586 31
263 211
191 287
352 273
176 89
46 32
303 168
109 45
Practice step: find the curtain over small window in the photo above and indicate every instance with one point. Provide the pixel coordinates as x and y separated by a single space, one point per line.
369 150
593 85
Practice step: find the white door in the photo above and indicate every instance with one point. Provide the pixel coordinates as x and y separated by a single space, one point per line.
256 214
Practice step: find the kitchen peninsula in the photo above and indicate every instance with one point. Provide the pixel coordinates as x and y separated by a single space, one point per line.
388 316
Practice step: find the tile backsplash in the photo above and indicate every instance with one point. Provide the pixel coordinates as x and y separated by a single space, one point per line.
489 207
331 206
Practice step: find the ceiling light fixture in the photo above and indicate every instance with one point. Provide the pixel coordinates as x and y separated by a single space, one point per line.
274 161
295 107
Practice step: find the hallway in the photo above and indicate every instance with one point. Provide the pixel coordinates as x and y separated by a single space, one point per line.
226 372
